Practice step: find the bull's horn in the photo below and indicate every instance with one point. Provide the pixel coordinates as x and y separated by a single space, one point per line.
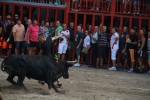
3 67
72 61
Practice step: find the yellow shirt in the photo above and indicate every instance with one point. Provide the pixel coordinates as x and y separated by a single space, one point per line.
18 32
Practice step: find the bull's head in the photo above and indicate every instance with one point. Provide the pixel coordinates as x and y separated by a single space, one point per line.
65 73
5 67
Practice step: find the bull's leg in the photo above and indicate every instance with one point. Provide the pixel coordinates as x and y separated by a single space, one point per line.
54 87
49 80
10 79
20 81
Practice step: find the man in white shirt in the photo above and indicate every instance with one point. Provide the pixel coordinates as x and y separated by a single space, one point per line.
94 39
114 45
63 42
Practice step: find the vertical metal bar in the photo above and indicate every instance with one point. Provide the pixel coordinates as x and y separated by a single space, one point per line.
47 14
84 27
56 15
140 26
102 20
12 14
21 10
111 26
130 24
93 24
119 52
30 12
75 30
39 13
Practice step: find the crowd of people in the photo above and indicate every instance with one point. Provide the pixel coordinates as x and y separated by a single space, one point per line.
25 35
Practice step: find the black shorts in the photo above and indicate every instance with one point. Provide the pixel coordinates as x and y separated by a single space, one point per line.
33 44
20 43
101 52
142 54
125 55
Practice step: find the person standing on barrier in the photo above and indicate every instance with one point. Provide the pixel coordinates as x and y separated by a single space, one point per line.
123 48
114 45
148 7
141 50
58 28
132 46
78 43
101 46
137 4
9 36
86 45
18 34
33 32
63 42
94 39
71 40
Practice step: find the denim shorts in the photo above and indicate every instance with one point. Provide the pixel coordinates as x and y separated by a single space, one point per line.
78 51
137 3
20 44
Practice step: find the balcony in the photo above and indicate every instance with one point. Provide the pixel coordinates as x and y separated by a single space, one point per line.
120 7
59 3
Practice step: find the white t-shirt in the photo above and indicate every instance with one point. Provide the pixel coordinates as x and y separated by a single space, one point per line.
95 35
112 40
86 41
66 32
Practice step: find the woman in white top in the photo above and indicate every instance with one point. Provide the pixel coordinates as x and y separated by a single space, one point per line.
86 44
114 45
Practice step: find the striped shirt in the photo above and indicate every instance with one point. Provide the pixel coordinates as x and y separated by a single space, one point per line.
102 40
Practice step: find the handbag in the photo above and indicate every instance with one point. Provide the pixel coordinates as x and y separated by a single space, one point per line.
85 50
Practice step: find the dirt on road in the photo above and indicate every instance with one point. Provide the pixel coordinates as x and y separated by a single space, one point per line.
83 84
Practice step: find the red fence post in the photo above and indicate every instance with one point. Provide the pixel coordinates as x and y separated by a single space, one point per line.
30 12
21 12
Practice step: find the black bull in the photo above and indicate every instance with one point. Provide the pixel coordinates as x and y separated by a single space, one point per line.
36 67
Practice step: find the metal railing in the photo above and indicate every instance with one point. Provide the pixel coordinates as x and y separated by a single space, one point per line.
121 6
139 7
90 5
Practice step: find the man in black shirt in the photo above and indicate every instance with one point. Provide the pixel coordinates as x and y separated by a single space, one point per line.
8 36
46 50
46 44
123 47
132 46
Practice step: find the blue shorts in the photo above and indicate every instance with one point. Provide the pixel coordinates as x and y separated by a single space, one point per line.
78 51
137 3
20 44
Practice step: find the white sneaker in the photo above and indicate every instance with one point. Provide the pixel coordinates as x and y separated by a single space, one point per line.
130 70
77 64
112 68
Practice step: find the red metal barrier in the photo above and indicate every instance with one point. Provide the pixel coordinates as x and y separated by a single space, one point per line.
115 11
